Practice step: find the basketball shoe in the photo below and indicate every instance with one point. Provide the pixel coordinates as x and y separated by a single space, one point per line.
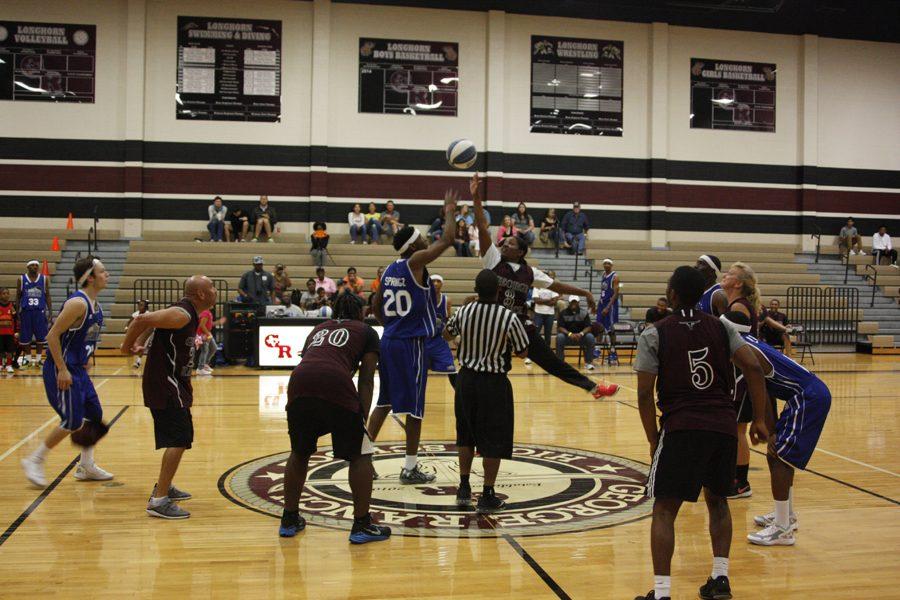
174 494
415 475
489 504
365 531
34 471
740 490
651 595
769 519
464 495
167 510
716 589
604 390
773 535
91 472
291 524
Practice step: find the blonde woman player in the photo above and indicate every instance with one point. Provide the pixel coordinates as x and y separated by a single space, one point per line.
739 285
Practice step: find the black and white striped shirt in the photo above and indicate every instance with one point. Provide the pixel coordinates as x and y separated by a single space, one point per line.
488 332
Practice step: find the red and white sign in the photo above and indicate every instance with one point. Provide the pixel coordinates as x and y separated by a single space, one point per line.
280 345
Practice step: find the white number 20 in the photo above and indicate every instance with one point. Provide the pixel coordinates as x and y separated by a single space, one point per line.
396 303
701 371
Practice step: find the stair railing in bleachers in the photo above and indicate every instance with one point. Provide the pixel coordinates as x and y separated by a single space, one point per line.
827 315
163 292
818 237
872 275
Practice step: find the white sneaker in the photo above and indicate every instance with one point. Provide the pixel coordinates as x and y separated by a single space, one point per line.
773 535
9 369
527 361
853 252
352 241
91 473
137 363
589 366
769 519
34 471
862 252
204 371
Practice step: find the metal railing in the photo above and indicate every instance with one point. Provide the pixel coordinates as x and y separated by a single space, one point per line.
818 237
163 292
828 315
873 277
846 261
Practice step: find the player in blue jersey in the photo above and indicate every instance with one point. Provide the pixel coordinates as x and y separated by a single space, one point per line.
69 388
796 430
404 304
713 301
608 308
437 351
33 300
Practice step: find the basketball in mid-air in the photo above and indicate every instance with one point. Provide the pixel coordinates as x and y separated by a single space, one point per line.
461 154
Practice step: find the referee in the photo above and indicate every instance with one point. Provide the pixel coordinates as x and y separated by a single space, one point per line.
484 400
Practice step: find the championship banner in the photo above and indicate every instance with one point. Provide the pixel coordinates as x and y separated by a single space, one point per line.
732 95
47 62
408 77
576 86
228 69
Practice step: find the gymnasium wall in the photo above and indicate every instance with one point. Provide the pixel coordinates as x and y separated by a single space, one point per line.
835 150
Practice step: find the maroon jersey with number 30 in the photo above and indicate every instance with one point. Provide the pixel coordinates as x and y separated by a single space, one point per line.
695 378
332 355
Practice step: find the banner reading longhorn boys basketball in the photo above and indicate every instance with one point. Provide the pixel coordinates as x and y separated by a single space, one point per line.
576 86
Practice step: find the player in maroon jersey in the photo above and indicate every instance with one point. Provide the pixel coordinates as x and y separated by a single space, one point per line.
516 279
687 358
323 400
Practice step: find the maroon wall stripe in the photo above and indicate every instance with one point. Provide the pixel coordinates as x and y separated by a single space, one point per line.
53 178
226 181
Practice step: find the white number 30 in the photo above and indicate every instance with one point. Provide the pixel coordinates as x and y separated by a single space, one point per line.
701 371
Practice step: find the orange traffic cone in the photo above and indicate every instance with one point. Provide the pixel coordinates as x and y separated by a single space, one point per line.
45 270
54 247
70 223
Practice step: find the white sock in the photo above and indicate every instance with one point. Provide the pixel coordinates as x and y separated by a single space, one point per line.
662 586
720 567
87 456
41 452
791 499
783 513
154 501
410 463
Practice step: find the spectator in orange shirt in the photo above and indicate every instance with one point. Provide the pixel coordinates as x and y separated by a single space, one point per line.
353 282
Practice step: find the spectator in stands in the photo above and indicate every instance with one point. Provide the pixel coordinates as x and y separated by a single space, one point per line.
266 220
436 230
658 312
474 241
319 243
357 222
523 223
390 220
882 246
574 228
376 283
282 280
353 282
550 227
462 239
290 309
216 225
773 327
465 216
373 223
309 294
505 230
849 240
322 307
206 342
326 283
574 327
257 285
237 226
545 309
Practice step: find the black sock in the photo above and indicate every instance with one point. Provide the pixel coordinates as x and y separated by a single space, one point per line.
290 513
452 378
740 472
464 480
488 491
361 521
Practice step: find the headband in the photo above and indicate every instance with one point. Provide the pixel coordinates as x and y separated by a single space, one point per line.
711 264
87 273
437 278
736 326
415 235
607 260
32 262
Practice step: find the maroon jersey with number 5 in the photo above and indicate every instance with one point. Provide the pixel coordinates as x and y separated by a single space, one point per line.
695 379
332 355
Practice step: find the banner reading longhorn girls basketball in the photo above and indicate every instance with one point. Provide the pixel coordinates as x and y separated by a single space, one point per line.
728 94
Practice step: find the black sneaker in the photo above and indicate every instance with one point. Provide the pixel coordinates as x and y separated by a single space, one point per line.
464 495
740 490
716 589
651 595
363 533
415 476
291 524
489 504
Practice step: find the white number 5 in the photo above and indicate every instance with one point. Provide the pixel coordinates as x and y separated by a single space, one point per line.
701 371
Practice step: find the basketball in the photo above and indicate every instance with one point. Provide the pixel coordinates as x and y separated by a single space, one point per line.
461 154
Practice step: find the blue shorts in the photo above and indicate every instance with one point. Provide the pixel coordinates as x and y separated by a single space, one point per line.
611 318
800 424
438 356
32 325
75 404
403 371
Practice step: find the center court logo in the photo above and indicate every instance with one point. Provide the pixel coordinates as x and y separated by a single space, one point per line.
548 490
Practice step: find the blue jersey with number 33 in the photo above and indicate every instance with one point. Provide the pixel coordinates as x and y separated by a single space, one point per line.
407 307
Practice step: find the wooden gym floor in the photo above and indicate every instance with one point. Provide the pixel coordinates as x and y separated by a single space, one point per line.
92 539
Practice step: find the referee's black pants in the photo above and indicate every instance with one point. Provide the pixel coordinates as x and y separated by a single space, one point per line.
541 354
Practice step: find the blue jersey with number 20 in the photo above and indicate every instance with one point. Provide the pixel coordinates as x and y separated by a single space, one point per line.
407 307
